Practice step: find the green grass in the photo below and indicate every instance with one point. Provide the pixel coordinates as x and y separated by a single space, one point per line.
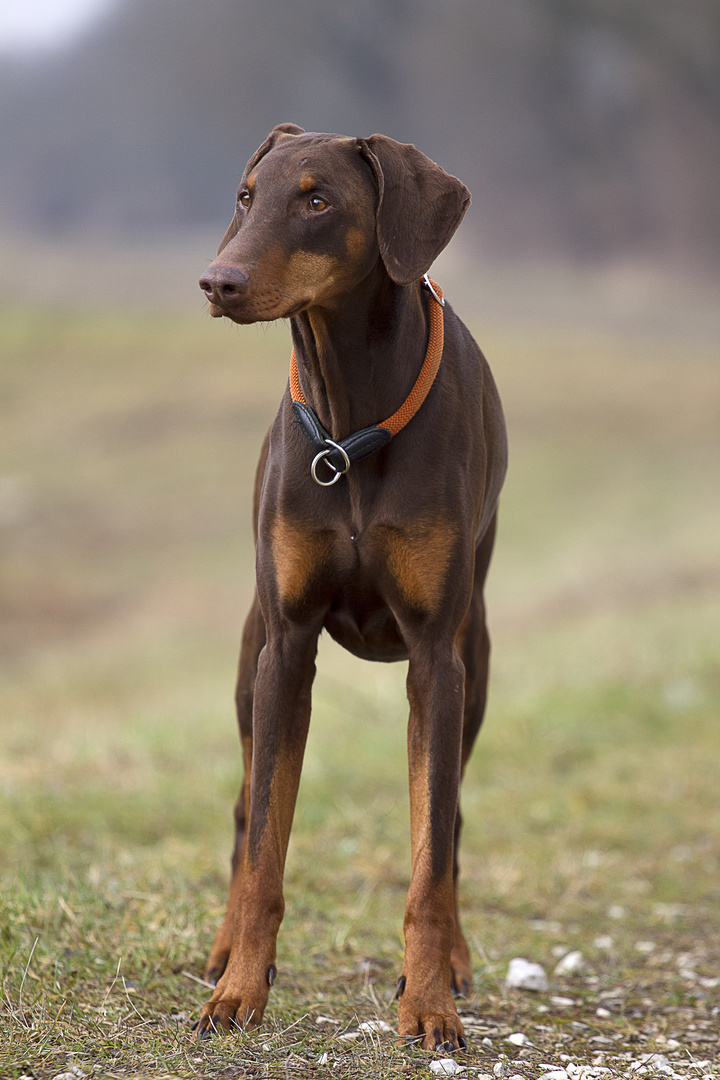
591 813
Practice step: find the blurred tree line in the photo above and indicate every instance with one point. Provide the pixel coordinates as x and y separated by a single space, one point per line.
584 128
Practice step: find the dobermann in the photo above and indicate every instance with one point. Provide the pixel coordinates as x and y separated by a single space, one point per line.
379 531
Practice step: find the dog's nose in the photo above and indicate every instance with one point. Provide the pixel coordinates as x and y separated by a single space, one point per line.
224 285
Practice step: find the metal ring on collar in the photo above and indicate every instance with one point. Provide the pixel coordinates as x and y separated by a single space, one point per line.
322 456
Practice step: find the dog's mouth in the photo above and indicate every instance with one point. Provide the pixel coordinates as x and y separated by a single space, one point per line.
247 313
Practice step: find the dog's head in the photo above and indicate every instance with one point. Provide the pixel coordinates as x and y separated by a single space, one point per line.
316 212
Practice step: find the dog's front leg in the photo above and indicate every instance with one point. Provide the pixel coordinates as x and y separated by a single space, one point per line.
426 1011
281 718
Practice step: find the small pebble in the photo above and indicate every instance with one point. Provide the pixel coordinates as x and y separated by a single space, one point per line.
499 1068
518 1039
445 1067
645 946
670 911
550 926
652 1063
324 1059
526 975
375 1025
570 964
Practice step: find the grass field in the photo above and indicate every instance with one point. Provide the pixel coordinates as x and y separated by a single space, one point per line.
591 806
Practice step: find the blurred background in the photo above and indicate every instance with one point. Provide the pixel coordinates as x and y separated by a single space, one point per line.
586 129
588 268
588 132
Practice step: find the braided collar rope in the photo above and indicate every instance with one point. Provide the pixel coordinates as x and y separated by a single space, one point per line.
339 456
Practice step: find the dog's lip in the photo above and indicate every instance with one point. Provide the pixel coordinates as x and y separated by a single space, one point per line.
236 313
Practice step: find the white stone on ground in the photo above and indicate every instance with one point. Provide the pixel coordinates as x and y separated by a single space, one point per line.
570 964
445 1067
526 975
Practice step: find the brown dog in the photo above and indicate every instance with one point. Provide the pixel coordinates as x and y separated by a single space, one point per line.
379 531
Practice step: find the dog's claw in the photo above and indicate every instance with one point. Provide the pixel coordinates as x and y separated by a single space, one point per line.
462 1043
205 1028
461 991
400 988
271 974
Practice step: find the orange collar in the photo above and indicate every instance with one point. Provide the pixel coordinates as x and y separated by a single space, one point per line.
339 456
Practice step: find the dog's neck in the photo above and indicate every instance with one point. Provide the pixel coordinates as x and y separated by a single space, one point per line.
350 377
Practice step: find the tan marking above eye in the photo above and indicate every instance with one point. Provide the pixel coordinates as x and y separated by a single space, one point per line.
307 183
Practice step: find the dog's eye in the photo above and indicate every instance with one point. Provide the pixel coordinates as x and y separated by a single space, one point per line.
244 199
317 204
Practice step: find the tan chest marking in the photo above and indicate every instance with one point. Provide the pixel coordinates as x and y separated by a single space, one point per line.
418 560
298 554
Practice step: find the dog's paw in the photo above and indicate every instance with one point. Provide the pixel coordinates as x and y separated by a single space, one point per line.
234 1007
429 1020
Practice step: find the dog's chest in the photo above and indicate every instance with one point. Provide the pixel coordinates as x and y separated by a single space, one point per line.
382 563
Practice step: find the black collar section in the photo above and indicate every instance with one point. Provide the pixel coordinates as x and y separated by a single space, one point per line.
356 447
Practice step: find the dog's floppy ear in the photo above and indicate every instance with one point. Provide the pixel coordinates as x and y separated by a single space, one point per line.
277 133
419 206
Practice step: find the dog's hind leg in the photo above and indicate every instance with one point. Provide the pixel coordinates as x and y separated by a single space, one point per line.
473 645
